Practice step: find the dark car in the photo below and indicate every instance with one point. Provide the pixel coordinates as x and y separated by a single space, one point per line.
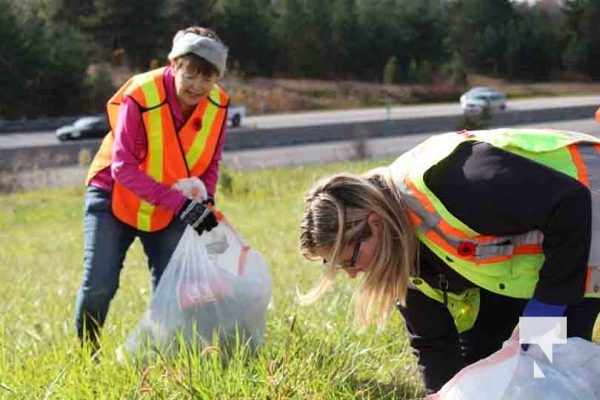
95 126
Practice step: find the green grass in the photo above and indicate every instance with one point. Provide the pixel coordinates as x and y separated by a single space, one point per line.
311 352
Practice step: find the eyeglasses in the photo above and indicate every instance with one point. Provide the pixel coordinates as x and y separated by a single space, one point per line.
351 263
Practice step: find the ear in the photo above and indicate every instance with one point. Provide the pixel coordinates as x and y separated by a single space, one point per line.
375 222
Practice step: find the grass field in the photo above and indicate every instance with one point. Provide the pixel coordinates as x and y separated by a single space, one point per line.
311 352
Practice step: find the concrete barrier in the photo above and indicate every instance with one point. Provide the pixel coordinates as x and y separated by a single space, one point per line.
74 153
39 124
59 155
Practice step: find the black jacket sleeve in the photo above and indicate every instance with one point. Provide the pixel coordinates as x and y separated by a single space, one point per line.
496 192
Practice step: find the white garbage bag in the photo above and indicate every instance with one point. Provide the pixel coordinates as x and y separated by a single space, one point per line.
508 374
215 286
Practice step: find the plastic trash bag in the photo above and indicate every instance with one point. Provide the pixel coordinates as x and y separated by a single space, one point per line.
508 374
214 286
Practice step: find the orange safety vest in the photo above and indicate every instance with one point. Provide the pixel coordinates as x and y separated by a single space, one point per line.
505 265
171 154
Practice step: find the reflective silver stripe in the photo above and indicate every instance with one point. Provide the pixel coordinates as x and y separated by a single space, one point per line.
505 246
201 218
187 210
591 159
501 246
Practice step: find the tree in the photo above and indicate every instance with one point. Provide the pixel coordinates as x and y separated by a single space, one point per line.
179 14
135 26
17 61
422 30
245 26
574 57
378 20
43 64
513 47
488 50
295 41
347 40
62 81
472 21
424 72
458 73
413 71
390 71
319 38
591 36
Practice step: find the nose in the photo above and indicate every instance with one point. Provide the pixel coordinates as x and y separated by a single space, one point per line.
351 272
202 85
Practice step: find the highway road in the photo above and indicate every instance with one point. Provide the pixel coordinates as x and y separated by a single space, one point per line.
290 156
405 112
281 157
321 118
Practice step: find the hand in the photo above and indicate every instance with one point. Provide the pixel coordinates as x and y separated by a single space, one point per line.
192 188
198 216
536 308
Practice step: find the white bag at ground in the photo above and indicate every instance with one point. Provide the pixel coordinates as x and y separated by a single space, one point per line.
214 286
508 374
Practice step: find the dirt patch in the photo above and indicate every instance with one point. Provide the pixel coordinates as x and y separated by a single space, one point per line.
264 96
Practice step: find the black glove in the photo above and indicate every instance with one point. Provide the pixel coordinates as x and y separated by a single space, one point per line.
198 215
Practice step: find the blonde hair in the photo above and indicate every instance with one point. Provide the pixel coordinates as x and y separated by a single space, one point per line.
335 215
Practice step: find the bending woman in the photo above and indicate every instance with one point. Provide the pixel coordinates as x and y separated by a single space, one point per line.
464 234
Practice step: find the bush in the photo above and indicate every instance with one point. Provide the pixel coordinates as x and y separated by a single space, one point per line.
100 87
390 71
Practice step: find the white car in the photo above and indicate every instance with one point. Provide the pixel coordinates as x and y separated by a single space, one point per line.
478 98
235 114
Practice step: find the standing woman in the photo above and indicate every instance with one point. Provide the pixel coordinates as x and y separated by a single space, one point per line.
466 233
167 124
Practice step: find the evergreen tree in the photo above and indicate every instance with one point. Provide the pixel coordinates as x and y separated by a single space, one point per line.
347 39
458 73
390 71
136 26
472 21
245 26
43 65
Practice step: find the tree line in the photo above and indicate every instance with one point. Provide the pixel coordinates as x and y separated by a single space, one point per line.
56 55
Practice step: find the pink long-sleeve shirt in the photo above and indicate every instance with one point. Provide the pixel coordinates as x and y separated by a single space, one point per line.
130 149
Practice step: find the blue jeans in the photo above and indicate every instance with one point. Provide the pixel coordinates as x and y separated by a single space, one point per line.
106 241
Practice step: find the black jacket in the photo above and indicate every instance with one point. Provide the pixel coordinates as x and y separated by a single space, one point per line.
496 192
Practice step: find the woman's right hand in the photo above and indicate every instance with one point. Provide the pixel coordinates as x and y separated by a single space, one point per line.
198 216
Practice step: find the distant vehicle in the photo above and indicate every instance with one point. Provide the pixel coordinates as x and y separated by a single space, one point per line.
95 126
235 115
479 98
